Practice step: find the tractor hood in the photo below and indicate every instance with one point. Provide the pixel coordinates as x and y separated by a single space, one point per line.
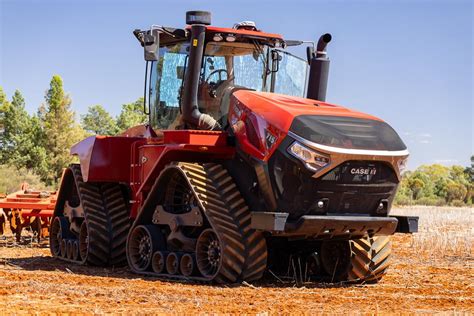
280 110
342 133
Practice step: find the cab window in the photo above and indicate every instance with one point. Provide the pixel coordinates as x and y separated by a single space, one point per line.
166 81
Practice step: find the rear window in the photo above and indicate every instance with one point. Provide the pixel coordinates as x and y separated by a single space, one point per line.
347 132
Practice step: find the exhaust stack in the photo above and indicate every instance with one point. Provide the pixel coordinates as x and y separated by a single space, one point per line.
319 70
191 114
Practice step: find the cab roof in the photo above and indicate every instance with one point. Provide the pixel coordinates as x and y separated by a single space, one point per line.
243 32
173 35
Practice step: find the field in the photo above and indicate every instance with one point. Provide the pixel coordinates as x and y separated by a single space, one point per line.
431 271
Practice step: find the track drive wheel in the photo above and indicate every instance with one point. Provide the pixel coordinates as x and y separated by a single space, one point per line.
362 260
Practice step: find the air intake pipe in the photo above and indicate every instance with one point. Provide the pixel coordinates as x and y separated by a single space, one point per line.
190 110
319 70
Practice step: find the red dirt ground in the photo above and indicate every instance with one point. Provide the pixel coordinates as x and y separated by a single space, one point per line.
31 282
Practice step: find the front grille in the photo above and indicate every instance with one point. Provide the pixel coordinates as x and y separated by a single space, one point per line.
360 172
342 191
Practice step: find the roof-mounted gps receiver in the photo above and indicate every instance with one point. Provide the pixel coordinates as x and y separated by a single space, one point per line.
198 17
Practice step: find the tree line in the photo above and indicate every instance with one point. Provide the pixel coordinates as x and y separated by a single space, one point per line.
437 185
39 144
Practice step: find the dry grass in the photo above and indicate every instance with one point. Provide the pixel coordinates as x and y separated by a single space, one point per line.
443 231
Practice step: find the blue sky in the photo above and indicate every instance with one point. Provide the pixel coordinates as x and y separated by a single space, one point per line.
408 62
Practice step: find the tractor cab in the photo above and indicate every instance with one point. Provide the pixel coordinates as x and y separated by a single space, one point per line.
238 58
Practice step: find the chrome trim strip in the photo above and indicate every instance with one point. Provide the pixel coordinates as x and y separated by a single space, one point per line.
365 152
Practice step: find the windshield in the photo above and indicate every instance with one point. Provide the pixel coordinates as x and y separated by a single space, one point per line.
232 66
226 68
244 64
290 79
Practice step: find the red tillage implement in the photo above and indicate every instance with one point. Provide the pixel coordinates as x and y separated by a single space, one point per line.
28 209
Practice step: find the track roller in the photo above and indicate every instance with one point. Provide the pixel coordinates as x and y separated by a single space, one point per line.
158 262
187 264
69 249
64 248
75 250
172 263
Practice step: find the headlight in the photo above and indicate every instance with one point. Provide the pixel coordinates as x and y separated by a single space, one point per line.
313 160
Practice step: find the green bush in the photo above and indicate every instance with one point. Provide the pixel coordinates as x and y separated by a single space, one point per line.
403 200
11 179
431 201
458 203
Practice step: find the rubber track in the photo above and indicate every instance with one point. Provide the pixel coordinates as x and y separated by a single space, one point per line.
230 218
118 215
370 258
255 244
107 220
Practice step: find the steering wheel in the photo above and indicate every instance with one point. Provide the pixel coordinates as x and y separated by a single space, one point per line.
217 71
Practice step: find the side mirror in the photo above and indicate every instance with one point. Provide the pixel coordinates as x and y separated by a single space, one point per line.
276 58
150 41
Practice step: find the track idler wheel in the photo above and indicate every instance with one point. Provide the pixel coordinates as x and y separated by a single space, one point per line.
144 241
59 232
208 254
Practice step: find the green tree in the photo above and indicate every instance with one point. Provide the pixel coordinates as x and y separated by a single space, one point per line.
131 115
21 147
3 97
60 129
3 108
98 121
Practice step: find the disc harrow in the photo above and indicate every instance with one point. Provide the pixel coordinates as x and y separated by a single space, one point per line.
27 209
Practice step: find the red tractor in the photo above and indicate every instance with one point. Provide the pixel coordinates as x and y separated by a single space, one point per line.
237 172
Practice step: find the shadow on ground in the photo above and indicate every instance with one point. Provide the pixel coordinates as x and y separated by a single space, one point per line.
47 263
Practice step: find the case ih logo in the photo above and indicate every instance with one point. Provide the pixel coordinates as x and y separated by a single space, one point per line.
364 171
